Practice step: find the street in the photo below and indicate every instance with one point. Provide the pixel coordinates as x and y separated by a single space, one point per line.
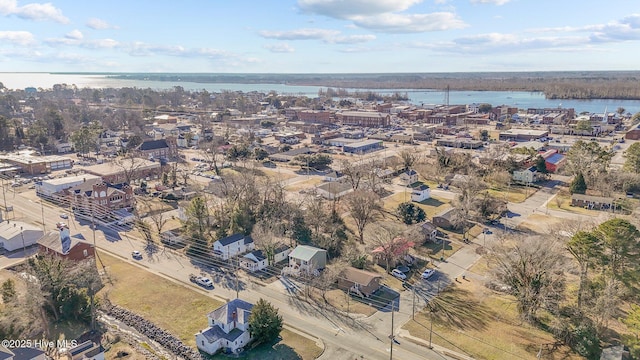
345 336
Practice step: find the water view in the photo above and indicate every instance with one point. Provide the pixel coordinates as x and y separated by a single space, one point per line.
520 99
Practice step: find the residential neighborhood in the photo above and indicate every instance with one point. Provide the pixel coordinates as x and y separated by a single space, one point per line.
335 216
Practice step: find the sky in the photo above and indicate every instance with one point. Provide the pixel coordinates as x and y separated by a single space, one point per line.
319 36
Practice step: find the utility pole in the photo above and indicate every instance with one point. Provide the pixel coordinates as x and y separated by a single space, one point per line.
42 209
393 304
413 306
24 249
4 197
236 275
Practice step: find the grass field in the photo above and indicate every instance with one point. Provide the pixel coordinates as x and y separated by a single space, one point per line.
151 296
484 325
306 184
514 195
539 223
180 310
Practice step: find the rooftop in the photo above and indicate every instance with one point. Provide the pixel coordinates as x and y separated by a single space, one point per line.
305 252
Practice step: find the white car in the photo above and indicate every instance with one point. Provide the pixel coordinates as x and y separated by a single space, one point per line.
64 216
398 274
427 274
136 254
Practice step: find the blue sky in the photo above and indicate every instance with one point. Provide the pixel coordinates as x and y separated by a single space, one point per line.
319 36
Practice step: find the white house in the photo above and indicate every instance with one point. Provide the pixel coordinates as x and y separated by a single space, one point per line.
233 245
281 253
15 235
254 261
408 177
228 328
526 176
420 193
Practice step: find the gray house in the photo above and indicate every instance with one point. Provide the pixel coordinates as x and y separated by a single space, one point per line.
307 258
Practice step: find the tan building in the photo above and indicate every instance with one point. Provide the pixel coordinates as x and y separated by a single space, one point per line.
364 118
360 282
125 170
315 116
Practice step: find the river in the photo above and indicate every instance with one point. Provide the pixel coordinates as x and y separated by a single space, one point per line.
520 99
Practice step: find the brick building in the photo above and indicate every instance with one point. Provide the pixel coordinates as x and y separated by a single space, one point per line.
315 116
364 118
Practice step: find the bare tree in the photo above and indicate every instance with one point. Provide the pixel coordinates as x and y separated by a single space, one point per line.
409 158
268 238
387 238
364 208
532 270
129 165
353 172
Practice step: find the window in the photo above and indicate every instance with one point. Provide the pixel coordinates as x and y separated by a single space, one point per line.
85 253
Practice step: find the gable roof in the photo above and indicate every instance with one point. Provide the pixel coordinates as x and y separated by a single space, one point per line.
5 353
225 313
52 241
358 276
153 145
410 173
305 252
225 241
255 256
213 333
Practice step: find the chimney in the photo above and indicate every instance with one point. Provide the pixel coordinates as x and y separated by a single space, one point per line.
234 315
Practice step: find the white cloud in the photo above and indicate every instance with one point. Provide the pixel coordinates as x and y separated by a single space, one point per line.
33 11
351 39
17 37
299 34
398 23
384 15
99 24
495 2
74 35
345 9
505 43
280 48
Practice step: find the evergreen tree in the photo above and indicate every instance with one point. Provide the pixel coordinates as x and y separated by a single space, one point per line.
578 185
541 165
265 323
410 213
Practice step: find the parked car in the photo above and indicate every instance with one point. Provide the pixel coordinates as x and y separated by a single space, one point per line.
404 269
64 216
201 280
427 274
398 274
136 254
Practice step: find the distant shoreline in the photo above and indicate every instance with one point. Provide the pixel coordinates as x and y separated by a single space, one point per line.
560 85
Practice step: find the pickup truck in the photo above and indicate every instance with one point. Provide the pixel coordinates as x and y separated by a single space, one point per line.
201 280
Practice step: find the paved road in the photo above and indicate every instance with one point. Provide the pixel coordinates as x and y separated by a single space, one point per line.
346 337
